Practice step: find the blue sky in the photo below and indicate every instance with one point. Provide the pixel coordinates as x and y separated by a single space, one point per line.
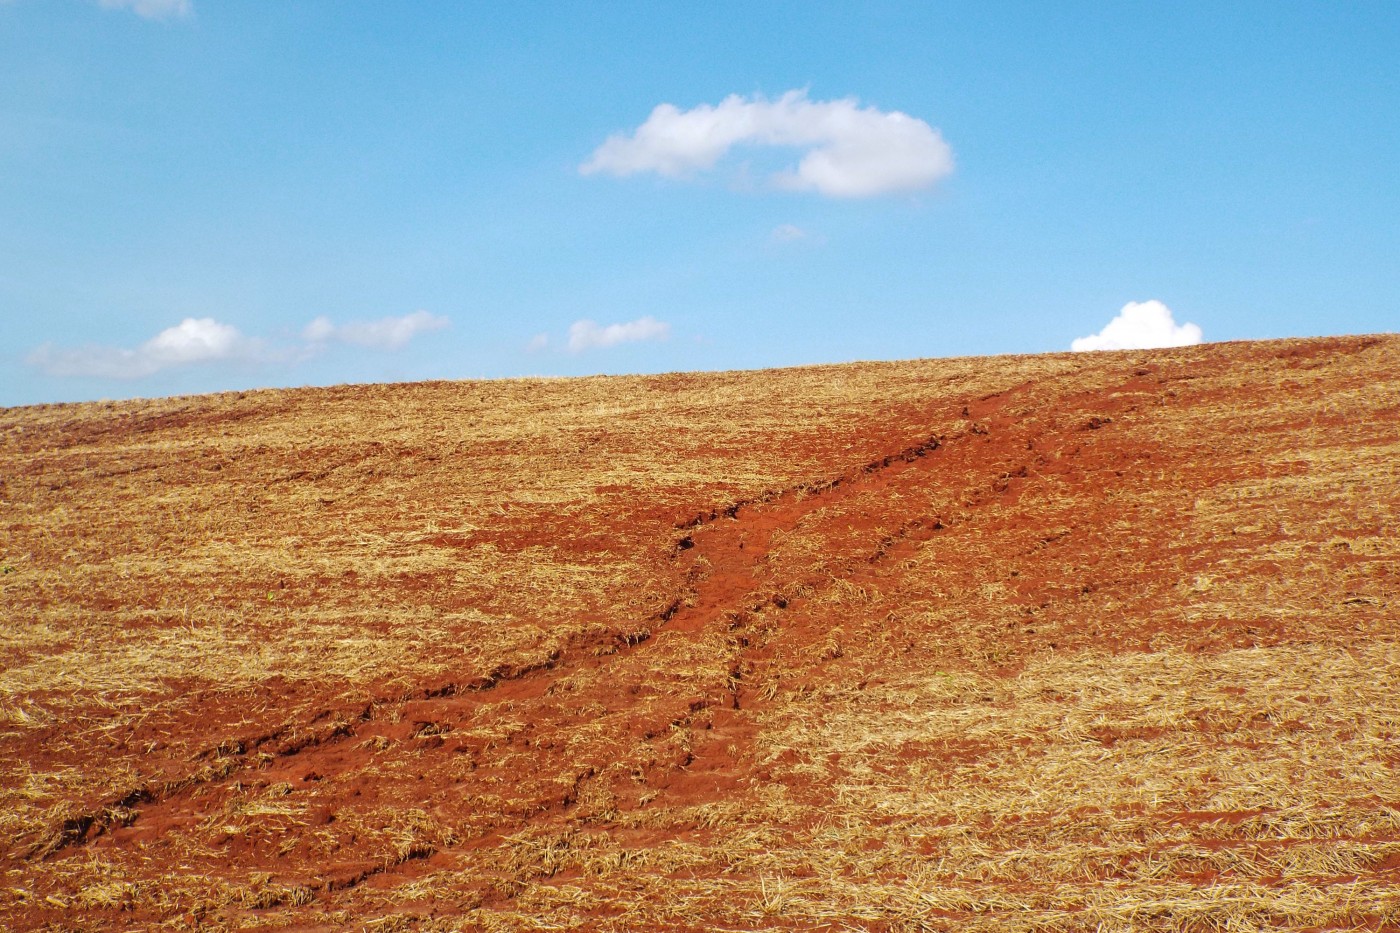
199 195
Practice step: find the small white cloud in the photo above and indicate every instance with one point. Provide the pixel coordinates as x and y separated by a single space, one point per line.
205 340
388 333
585 335
1141 325
151 9
193 340
537 343
787 233
319 330
850 151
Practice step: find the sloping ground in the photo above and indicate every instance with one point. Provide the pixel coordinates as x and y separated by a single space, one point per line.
1086 642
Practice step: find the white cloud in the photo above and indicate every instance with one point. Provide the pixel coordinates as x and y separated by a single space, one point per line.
585 335
786 233
388 333
537 343
850 151
1141 325
193 340
319 330
205 340
151 9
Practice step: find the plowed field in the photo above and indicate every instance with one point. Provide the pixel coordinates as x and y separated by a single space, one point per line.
1069 642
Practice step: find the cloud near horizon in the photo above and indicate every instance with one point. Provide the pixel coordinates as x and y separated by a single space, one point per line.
151 9
1140 325
389 333
193 340
588 335
205 340
849 151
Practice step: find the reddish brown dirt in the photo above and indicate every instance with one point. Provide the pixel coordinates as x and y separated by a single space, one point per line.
487 656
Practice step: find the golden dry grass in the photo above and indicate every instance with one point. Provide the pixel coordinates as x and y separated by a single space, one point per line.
1069 642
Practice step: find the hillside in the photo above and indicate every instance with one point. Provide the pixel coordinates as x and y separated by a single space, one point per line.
1093 641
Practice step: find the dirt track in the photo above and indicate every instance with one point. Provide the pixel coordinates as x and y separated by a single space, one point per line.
1076 641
